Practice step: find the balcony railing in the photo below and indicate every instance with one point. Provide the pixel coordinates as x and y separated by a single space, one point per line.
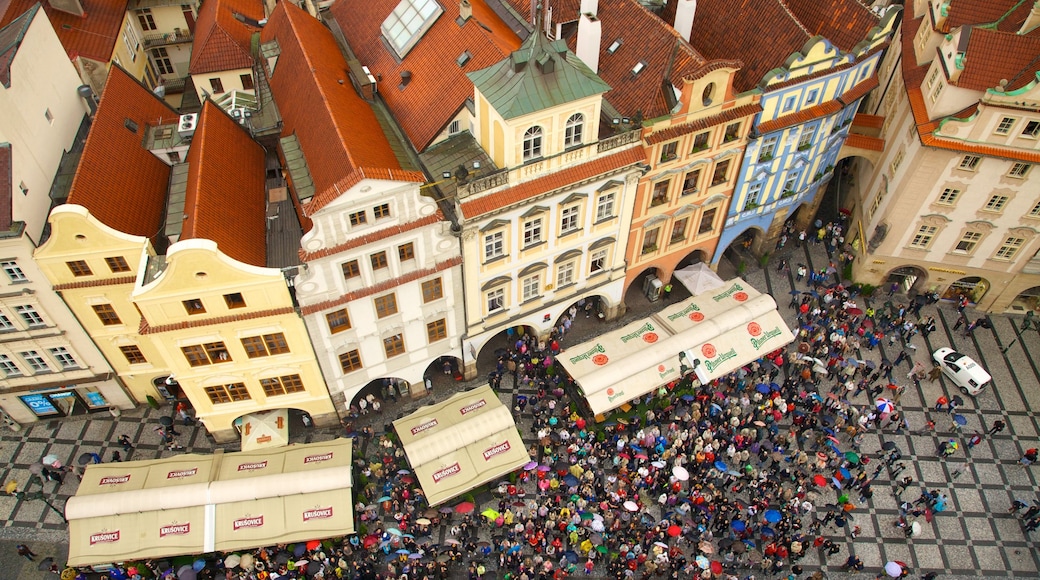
178 36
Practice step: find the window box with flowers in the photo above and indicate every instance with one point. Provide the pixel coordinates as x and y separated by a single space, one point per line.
805 146
750 206
787 193
765 157
650 249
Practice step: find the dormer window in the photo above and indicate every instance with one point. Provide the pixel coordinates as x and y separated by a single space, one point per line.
403 28
573 130
532 143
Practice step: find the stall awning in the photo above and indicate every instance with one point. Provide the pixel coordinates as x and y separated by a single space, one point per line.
265 429
461 443
193 504
724 328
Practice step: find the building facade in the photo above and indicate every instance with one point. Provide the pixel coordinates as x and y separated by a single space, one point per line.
222 60
167 32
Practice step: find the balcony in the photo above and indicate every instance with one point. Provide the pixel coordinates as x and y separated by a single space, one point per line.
157 39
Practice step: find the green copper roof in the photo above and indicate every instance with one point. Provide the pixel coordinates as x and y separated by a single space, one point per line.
539 75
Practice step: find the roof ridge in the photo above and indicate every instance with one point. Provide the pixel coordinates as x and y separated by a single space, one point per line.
794 18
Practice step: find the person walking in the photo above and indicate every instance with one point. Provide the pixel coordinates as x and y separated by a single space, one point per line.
997 427
124 440
25 552
1029 457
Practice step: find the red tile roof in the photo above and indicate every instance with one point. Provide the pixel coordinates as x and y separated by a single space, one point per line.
6 186
371 237
226 186
338 132
871 121
674 131
120 182
865 142
764 33
798 117
859 91
383 286
473 208
222 42
972 12
146 328
992 56
92 36
438 87
97 283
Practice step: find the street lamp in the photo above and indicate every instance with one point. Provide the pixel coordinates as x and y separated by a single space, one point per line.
37 495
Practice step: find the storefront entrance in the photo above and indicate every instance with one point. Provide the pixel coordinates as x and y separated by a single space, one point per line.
973 287
65 402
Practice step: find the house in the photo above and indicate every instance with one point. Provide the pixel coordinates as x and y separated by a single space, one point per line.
222 59
380 284
49 367
953 207
182 305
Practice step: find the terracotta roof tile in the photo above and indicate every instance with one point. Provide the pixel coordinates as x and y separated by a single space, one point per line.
865 142
120 182
96 283
383 286
913 74
473 208
339 134
223 42
438 88
146 328
871 121
674 131
371 237
859 91
226 186
6 187
844 23
92 36
992 56
971 12
798 117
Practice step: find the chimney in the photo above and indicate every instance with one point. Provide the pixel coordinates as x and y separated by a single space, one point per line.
73 7
1032 19
684 11
590 35
465 10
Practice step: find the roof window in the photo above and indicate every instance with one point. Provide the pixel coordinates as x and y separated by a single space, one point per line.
638 68
408 22
614 46
463 58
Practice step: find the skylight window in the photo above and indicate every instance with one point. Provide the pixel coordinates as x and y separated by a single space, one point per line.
408 22
638 68
614 46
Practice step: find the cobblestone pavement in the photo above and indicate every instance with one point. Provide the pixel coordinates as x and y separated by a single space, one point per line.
975 538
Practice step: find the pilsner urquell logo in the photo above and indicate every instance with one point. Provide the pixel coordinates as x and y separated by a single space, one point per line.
612 394
496 450
104 537
731 291
424 426
252 466
446 472
689 310
317 514
472 406
758 341
175 530
182 473
249 522
317 458
114 479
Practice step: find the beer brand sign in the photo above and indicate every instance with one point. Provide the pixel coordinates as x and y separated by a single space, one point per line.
114 479
104 537
426 426
317 458
175 530
182 473
496 450
254 466
473 406
448 471
248 522
317 514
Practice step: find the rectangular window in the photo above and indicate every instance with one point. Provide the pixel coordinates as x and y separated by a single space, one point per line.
234 300
437 330
1035 212
597 262
707 221
788 104
357 218
532 232
338 321
752 200
967 243
1031 130
193 306
878 198
700 142
195 355
897 161
691 183
206 354
721 170
117 264
228 393
948 196
163 64
605 207
8 367
393 345
265 345
432 290
660 193
650 240
386 305
790 186
937 91
29 315
247 82
351 269
807 138
64 357
996 203
350 361
569 219
768 148
923 237
144 17
732 132
494 246
288 384
531 287
495 300
132 42
35 361
1009 248
14 273
378 260
217 85
935 72
669 151
565 275
969 162
133 354
1019 170
5 323
1004 126
406 252
381 211
79 268
811 98
679 231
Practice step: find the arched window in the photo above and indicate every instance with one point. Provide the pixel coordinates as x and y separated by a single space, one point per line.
573 133
533 143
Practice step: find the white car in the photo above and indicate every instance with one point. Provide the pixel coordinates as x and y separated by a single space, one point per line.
969 377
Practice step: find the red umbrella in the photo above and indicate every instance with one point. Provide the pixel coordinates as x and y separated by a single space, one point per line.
674 531
465 507
819 480
716 567
854 311
371 540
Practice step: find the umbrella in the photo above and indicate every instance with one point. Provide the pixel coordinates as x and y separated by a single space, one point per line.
313 545
957 400
166 421
402 552
762 388
394 531
382 499
631 506
915 528
370 540
854 311
414 556
36 468
465 507
703 563
716 567
845 474
452 541
50 459
423 522
819 480
687 398
871 365
570 480
597 525
281 558
893 569
530 465
85 458
443 558
721 466
739 547
45 564
888 445
959 419
795 292
768 531
658 464
232 561
772 516
490 514
680 473
707 548
446 510
837 482
674 531
198 565
884 405
186 572
571 556
738 526
544 468
853 457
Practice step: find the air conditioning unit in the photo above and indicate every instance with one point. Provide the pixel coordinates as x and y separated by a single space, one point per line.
186 125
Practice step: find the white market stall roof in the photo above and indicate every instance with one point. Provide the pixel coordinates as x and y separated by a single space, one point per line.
193 504
461 443
724 328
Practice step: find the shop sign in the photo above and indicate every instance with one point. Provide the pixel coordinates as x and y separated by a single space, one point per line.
39 404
